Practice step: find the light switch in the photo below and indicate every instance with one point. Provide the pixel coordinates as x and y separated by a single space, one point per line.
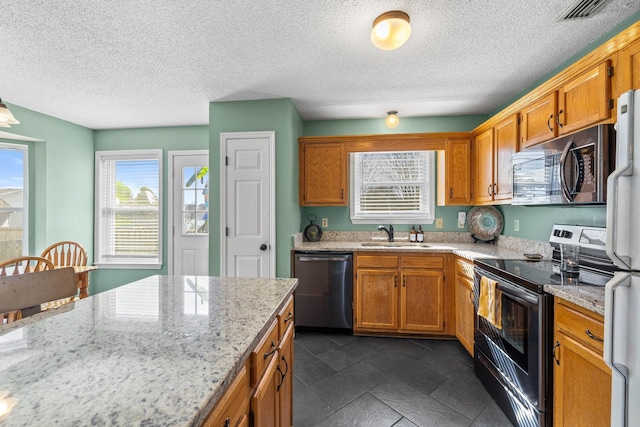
462 217
439 223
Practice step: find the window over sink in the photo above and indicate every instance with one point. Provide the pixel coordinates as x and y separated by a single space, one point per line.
395 187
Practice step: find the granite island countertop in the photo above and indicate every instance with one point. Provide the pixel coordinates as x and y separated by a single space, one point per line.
158 351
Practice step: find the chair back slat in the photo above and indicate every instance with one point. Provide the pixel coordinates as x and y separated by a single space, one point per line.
66 253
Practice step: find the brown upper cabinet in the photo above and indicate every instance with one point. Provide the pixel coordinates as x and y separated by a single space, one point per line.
454 173
629 66
580 102
323 174
492 166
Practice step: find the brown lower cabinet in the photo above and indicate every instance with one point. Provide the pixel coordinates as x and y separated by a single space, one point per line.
262 392
402 294
582 380
465 314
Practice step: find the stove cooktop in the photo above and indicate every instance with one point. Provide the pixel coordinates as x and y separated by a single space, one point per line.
536 274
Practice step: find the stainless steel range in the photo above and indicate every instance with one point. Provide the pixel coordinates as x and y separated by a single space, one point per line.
514 325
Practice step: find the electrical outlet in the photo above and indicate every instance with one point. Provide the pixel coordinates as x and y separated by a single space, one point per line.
325 222
516 225
438 222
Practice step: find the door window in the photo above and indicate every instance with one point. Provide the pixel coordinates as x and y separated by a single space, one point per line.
195 200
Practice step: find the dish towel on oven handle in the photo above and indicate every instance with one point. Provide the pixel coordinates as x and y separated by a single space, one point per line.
490 303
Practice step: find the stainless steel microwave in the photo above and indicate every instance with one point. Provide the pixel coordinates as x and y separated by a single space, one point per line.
572 169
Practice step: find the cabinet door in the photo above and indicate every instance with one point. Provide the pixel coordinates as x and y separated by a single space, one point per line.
506 144
323 174
264 401
233 407
538 121
584 101
285 387
377 299
422 301
465 312
628 69
483 169
582 385
458 172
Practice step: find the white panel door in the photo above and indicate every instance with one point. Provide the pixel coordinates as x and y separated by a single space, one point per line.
248 220
189 255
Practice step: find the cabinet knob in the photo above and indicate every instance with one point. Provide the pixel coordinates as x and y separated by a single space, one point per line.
263 247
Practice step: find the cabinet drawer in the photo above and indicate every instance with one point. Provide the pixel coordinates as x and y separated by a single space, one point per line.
234 404
464 268
263 353
377 261
422 261
285 318
581 324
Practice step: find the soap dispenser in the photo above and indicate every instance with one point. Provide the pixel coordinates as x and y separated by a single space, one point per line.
420 235
412 234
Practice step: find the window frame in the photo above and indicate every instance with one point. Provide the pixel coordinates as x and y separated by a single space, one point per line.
124 262
25 192
389 217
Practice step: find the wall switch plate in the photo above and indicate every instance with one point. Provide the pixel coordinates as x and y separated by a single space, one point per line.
325 222
516 225
438 222
462 217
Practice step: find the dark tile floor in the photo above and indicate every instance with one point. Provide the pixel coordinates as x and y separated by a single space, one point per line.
344 380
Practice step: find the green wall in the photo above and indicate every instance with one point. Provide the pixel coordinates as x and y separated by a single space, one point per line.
60 195
281 116
168 139
407 125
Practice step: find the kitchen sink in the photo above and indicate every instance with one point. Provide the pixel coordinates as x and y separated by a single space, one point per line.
395 244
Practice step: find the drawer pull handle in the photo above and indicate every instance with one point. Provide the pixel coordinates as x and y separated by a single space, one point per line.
283 375
593 337
289 317
273 350
548 125
227 422
555 348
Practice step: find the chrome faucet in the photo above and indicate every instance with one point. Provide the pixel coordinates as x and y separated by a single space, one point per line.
389 231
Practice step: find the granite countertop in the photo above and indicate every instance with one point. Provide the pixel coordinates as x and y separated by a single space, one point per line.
589 297
158 351
469 251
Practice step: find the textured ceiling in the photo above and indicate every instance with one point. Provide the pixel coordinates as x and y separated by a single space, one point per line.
122 63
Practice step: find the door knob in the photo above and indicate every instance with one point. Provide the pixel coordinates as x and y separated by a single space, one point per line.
263 247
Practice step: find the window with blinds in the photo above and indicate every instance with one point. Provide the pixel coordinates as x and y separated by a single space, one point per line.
395 187
128 209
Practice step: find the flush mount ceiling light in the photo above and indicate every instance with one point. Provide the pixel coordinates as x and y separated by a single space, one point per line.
390 30
6 118
392 119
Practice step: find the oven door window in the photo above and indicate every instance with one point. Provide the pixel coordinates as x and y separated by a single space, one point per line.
513 337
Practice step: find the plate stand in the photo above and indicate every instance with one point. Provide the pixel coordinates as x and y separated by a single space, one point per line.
476 240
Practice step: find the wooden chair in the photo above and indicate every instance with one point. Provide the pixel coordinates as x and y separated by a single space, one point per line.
66 253
21 265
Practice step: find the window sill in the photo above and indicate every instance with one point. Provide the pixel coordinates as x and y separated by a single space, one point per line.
128 266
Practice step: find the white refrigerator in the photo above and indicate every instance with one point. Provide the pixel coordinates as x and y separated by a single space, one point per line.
622 293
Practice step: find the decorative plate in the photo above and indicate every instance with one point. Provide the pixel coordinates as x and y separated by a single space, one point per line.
485 222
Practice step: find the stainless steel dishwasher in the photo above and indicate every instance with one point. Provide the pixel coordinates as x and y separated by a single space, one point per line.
324 296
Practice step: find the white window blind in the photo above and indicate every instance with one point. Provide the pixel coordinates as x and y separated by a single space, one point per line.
128 209
396 187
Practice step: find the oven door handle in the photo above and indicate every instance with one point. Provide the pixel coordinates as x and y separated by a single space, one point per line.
517 294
